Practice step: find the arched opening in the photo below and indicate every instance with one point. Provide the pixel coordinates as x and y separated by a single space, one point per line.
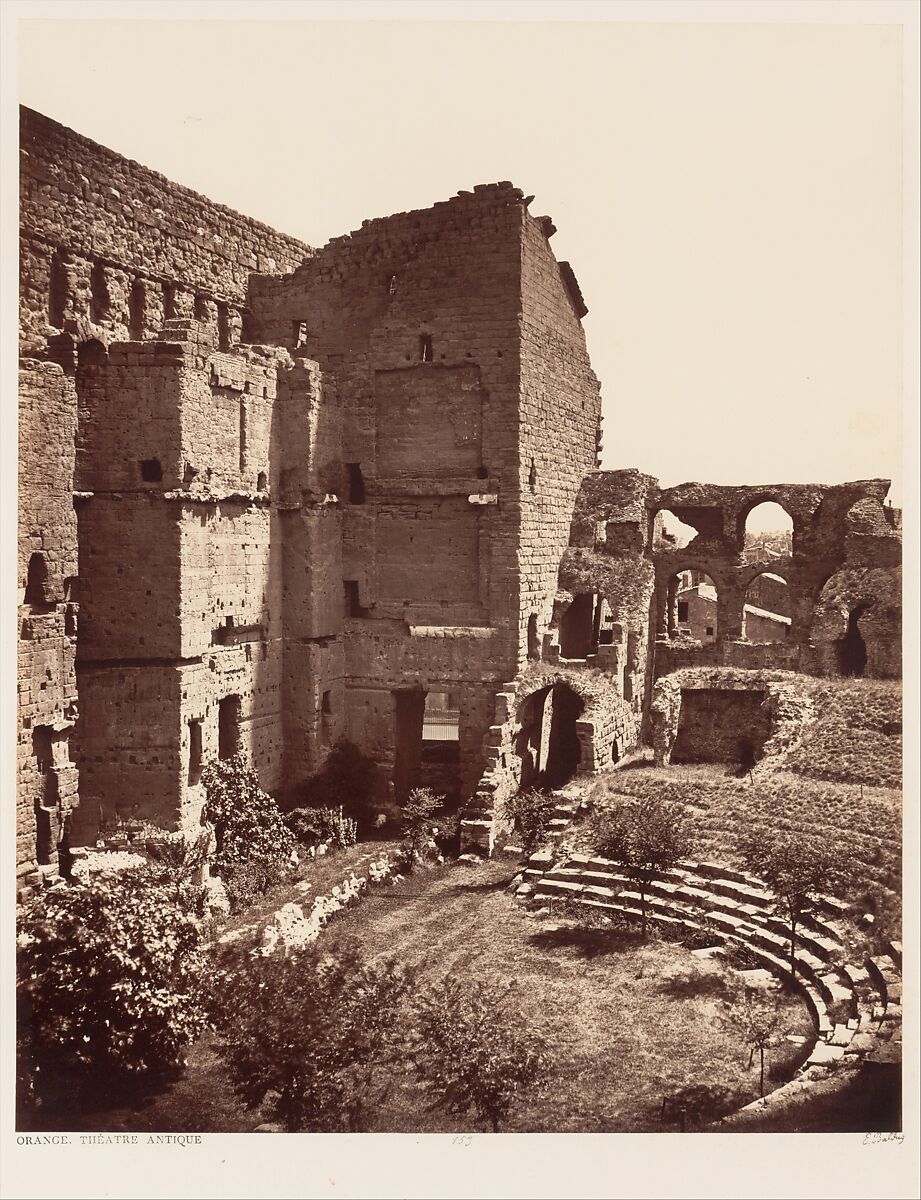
583 625
767 532
852 649
547 743
92 354
691 606
671 533
37 582
533 642
766 616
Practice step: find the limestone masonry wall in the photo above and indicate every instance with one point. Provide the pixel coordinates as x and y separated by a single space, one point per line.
273 496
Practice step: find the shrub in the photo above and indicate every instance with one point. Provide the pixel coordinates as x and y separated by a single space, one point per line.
109 974
530 813
473 1052
644 837
350 780
446 834
797 869
418 822
308 1033
254 845
314 825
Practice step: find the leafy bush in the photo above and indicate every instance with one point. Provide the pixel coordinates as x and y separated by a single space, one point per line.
254 845
472 1051
307 1034
245 882
798 871
644 838
446 834
418 825
108 984
530 813
314 825
350 780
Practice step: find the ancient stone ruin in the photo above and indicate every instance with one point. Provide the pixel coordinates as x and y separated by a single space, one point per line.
272 496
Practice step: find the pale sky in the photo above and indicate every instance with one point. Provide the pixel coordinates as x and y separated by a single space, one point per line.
729 195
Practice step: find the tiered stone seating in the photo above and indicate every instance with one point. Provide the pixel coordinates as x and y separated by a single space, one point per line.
856 1009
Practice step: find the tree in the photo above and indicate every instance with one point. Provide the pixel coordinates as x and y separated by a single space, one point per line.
759 1018
645 838
109 978
308 1033
798 869
418 824
472 1051
254 845
530 812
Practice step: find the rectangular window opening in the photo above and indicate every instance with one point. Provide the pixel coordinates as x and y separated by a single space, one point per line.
228 726
425 347
353 605
441 728
195 751
356 483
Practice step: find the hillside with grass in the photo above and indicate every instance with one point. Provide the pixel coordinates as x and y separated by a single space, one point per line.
841 782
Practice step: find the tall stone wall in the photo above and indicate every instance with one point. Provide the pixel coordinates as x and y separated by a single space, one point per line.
47 614
109 251
111 242
417 319
560 423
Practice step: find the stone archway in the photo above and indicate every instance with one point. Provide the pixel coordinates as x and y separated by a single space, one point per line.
547 744
852 649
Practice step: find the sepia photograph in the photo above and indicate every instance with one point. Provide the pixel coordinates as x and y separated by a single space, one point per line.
456 491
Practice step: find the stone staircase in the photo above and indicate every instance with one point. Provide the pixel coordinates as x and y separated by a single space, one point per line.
856 1009
568 802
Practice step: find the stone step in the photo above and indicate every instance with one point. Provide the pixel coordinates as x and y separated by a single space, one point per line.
816 937
886 977
895 953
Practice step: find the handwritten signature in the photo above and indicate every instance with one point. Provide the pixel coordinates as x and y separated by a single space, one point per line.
877 1139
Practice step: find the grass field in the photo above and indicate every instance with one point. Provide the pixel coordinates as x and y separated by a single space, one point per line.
818 793
624 1023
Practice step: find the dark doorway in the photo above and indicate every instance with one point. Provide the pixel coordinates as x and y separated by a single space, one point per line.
564 751
37 583
229 712
579 627
46 796
408 720
547 744
852 649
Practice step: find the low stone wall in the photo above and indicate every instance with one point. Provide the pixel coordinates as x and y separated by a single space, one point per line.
784 712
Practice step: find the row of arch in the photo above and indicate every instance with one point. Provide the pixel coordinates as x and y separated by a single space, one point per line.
761 523
100 313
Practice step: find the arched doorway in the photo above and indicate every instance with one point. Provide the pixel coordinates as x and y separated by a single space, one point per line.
547 744
852 649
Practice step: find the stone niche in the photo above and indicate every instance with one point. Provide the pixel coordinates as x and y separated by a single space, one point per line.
429 421
727 715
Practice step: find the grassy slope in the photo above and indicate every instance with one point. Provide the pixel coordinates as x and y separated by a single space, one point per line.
820 791
616 1036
